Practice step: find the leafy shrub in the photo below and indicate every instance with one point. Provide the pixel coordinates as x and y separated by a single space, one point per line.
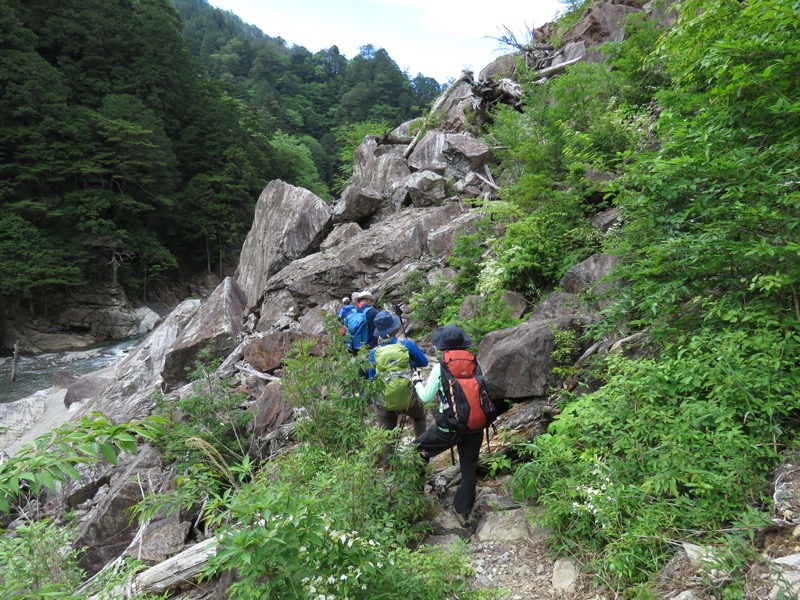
467 257
282 545
493 313
37 562
330 387
55 456
212 413
682 443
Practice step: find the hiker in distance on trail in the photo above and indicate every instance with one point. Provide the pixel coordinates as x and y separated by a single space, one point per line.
465 411
358 321
395 361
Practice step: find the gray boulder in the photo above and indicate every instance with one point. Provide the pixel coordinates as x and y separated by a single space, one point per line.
84 388
289 223
139 374
108 528
517 362
214 328
586 273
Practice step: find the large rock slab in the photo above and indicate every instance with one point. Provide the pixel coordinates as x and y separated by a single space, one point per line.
214 328
451 154
361 261
290 222
108 529
139 374
84 388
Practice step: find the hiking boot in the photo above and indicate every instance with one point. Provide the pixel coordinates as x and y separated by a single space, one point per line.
464 521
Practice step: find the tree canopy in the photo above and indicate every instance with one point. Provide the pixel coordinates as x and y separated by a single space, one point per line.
136 136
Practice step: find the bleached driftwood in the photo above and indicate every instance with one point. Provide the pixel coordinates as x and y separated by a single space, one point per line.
251 371
179 570
549 71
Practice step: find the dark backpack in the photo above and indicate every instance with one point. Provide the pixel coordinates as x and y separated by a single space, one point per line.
393 366
357 333
468 406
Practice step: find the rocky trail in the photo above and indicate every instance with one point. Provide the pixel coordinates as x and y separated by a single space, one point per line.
508 552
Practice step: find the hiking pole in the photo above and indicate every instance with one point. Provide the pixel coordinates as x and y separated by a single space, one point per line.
398 309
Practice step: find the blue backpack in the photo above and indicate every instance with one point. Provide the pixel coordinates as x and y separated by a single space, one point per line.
357 328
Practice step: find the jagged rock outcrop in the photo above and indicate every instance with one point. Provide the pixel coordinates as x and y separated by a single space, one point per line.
356 263
289 223
108 530
215 329
77 320
139 374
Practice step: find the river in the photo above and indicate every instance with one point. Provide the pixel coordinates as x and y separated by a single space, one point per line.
35 372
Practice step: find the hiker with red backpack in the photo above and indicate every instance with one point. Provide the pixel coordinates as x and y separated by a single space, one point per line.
395 362
465 411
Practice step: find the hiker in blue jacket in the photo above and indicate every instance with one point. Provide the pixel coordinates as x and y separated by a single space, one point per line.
437 439
386 327
362 300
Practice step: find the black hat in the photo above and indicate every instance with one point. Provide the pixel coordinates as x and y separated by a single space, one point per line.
450 337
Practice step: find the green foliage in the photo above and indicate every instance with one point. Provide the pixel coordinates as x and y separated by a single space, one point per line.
565 351
348 138
208 426
37 561
294 164
496 463
492 313
294 542
122 152
55 457
327 382
467 257
684 443
640 70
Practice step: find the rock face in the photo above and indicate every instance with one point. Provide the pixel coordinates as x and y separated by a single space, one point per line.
214 329
289 223
89 316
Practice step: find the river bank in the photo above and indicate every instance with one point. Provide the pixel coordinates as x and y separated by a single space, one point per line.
24 420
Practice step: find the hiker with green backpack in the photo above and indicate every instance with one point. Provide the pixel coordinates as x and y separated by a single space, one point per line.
395 361
465 411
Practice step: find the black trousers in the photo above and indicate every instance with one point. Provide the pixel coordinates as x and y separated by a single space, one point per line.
435 441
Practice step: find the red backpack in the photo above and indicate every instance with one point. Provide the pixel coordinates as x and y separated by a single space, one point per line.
468 406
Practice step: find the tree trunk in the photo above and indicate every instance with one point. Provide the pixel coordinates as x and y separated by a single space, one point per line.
14 361
208 255
219 241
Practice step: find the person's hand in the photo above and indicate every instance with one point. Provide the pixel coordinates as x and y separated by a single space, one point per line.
416 378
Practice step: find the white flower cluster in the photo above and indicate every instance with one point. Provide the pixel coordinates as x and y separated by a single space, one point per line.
600 501
490 278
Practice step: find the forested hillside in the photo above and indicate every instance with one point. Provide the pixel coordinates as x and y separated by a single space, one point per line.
136 138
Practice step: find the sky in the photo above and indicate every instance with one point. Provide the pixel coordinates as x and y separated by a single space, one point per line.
438 38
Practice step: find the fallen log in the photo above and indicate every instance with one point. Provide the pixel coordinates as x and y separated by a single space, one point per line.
175 572
555 70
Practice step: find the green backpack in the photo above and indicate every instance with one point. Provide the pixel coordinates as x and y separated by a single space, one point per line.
392 363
